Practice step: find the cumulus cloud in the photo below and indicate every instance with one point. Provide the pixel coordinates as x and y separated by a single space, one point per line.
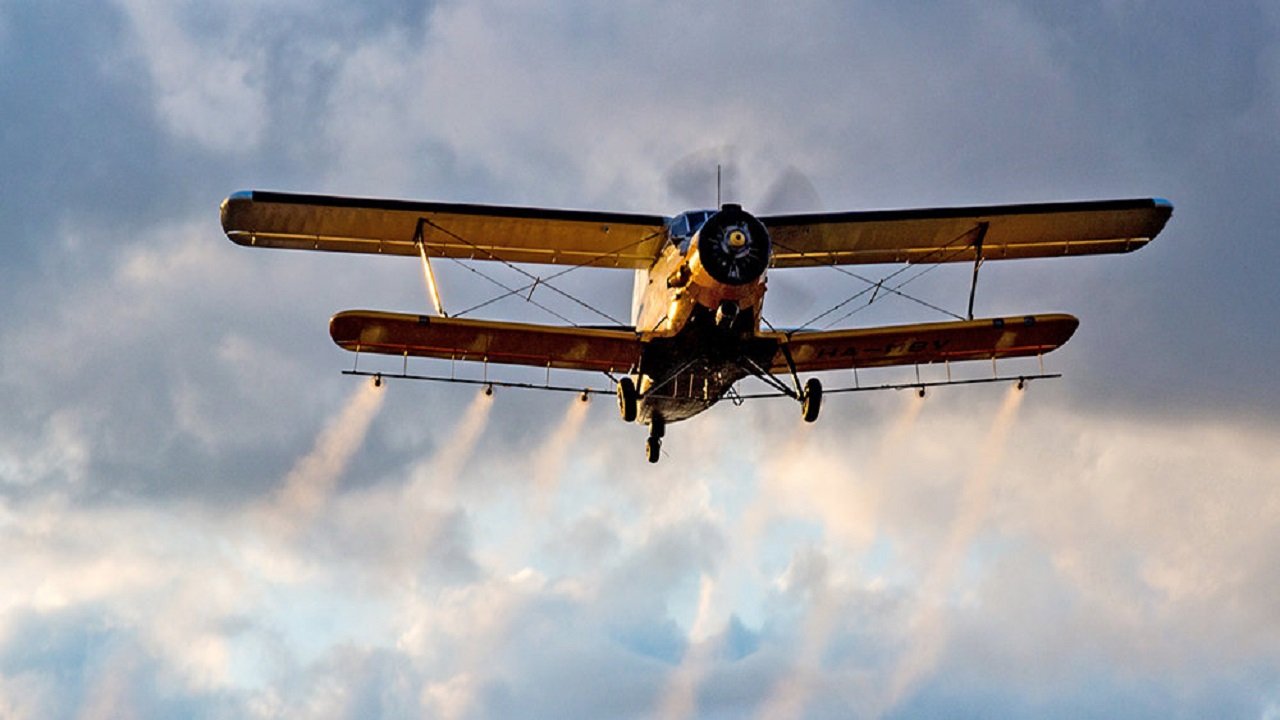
678 699
466 641
205 91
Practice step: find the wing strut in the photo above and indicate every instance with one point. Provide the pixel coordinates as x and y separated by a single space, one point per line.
791 365
432 291
977 262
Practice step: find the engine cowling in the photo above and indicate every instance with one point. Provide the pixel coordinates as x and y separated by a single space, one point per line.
734 246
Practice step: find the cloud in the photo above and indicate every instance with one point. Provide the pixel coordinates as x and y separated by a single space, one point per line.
160 383
678 698
204 94
1146 563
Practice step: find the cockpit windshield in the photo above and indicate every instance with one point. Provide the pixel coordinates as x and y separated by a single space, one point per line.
684 225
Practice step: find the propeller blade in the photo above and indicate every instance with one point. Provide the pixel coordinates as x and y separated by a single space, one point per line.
791 192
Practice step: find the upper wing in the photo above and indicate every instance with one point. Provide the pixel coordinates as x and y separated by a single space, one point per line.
952 234
923 343
485 340
478 232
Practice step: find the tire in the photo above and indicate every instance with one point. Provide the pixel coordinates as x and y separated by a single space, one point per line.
627 399
653 449
811 401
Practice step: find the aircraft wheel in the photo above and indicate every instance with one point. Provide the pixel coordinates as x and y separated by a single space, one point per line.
811 400
653 449
627 399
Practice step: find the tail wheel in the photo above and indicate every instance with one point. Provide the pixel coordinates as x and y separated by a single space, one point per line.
811 401
653 449
627 399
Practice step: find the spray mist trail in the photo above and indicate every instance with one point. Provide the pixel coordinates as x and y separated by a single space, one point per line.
927 624
787 698
548 464
790 695
772 486
878 473
310 483
802 477
444 469
439 474
679 700
549 460
431 491
898 433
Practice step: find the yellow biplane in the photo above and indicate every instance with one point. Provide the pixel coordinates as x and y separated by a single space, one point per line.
699 289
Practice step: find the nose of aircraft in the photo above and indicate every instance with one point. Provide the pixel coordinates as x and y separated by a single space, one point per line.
734 246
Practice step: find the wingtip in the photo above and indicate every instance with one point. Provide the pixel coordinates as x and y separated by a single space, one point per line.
345 327
237 196
226 211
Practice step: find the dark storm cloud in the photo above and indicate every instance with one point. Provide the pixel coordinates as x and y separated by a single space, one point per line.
83 142
78 138
99 172
1190 100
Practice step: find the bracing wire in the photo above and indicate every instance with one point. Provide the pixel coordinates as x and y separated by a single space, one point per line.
536 281
874 287
509 293
543 281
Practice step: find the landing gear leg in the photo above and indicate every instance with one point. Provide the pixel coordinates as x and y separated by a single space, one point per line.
810 396
653 446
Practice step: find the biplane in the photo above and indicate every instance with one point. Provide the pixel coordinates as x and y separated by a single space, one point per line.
699 288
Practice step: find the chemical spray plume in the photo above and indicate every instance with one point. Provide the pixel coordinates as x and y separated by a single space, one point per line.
790 695
679 700
809 570
804 479
431 487
928 634
310 483
548 462
460 699
439 474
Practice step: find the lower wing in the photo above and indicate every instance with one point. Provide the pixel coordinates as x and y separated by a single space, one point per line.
486 341
922 343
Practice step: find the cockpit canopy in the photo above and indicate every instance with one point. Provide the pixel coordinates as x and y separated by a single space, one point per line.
683 226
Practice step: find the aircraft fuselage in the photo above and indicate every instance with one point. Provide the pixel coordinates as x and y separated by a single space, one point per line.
699 311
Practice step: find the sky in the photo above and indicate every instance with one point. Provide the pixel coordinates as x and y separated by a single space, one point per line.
200 516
